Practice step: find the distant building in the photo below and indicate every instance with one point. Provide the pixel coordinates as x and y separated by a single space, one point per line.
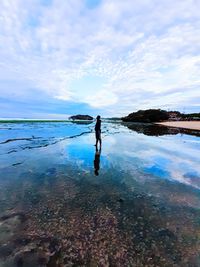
195 118
174 116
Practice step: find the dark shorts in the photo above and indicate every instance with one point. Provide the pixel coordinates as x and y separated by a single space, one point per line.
98 134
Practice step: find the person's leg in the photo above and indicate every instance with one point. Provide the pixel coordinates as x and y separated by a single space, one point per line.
96 135
98 140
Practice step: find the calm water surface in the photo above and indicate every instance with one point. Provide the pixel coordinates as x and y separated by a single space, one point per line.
134 203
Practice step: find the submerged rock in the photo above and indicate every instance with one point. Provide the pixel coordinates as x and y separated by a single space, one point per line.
120 200
9 224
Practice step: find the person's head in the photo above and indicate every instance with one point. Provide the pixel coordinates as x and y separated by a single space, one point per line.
98 117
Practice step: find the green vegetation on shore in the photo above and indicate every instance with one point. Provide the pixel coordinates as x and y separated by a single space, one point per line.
158 115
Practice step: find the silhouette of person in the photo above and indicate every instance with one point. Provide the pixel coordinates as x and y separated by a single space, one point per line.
98 131
97 161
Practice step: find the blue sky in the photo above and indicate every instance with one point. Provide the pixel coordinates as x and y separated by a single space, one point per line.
108 57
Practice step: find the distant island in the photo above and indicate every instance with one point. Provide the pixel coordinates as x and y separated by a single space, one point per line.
81 117
159 115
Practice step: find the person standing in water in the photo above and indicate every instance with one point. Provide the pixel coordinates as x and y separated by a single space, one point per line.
98 131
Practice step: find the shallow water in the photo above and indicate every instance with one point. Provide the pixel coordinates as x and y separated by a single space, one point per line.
134 203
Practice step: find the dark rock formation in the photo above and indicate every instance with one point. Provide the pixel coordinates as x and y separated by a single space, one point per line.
81 117
149 115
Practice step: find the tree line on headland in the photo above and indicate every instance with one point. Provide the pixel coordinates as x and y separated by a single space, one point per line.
158 115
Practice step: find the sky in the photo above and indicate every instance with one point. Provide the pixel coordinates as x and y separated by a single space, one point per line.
107 57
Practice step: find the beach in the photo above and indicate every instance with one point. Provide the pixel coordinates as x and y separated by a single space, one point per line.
192 125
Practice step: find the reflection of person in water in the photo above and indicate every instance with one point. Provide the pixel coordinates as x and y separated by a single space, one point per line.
98 131
97 161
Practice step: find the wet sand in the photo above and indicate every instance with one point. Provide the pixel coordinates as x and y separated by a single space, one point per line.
192 125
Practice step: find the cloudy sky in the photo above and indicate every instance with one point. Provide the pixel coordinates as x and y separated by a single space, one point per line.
108 57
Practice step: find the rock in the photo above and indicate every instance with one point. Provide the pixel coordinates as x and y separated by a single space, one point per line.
166 234
51 171
29 258
9 225
6 250
81 117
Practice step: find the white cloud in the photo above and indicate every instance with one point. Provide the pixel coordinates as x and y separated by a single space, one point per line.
102 98
144 50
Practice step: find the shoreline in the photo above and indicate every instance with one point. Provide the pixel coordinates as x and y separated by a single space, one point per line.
190 125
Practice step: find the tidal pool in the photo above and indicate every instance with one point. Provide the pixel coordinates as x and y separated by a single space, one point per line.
134 203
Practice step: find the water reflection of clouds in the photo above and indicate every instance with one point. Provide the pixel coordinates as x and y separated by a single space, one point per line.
168 157
157 171
165 157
